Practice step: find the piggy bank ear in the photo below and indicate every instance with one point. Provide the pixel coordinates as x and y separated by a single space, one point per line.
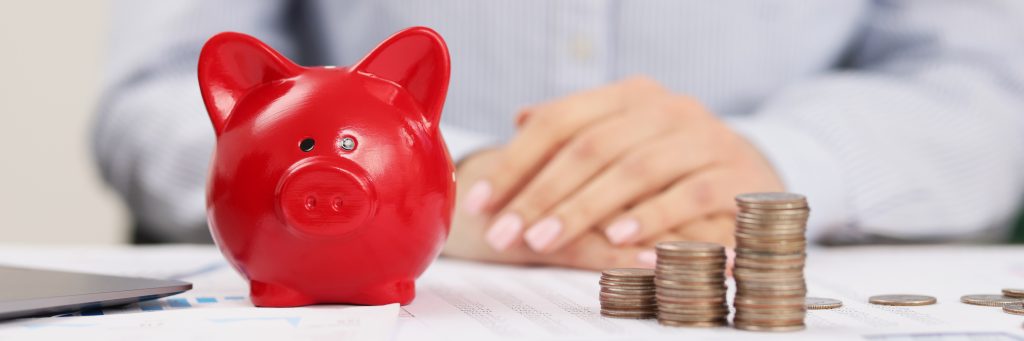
230 65
417 60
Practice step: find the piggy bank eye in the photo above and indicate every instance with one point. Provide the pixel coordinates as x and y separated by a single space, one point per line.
307 144
347 143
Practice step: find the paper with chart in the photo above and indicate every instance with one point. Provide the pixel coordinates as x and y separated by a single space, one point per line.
216 309
487 302
459 300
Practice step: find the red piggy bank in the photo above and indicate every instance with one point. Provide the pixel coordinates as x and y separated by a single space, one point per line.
328 185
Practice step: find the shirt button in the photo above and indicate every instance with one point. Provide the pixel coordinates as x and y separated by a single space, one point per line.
581 49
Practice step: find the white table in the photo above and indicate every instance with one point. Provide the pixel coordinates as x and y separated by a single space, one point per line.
469 301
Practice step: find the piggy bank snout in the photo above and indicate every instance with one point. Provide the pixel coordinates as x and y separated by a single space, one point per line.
325 198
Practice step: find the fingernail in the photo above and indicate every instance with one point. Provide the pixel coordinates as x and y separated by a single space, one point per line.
622 231
647 258
543 233
477 197
504 231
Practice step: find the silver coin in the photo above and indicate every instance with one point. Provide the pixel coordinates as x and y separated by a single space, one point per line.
687 246
1014 308
691 301
603 295
691 318
627 291
989 300
770 198
769 316
719 323
774 211
759 328
629 272
629 315
819 303
902 300
1012 292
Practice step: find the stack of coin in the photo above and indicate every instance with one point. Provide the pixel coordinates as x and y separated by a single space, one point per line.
690 281
770 255
628 293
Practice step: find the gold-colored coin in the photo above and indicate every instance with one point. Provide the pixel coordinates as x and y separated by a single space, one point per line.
819 303
989 300
902 300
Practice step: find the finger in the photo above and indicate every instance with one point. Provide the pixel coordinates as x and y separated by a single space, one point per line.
620 185
592 251
692 197
551 125
719 228
583 157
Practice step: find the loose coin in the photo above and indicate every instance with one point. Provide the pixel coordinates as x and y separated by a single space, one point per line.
989 300
902 300
1012 292
1014 308
818 303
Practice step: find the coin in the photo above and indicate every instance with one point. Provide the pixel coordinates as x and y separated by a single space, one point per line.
711 324
818 303
628 293
689 279
770 198
628 272
629 315
1015 293
989 300
689 247
770 257
1014 308
762 328
902 300
625 284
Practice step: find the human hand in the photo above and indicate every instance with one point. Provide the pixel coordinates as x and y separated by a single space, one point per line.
591 250
630 159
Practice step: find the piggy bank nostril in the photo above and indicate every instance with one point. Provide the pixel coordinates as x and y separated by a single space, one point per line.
310 203
337 203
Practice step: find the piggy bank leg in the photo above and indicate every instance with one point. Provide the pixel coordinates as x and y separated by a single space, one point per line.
275 295
401 292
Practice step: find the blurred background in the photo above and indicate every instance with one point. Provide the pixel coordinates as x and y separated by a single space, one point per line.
50 72
51 66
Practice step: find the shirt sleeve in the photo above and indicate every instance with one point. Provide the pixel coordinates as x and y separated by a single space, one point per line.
152 138
921 137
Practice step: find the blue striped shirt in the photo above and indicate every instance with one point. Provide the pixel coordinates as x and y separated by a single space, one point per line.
900 119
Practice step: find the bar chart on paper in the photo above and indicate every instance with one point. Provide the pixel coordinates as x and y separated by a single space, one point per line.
177 302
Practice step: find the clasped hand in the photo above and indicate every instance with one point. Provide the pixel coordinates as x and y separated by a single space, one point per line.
595 179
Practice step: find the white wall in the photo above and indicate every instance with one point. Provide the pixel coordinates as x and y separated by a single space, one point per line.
51 56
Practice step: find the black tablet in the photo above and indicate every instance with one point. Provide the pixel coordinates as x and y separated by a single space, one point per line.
33 292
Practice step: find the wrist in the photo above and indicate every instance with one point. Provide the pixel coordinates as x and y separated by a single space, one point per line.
804 166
